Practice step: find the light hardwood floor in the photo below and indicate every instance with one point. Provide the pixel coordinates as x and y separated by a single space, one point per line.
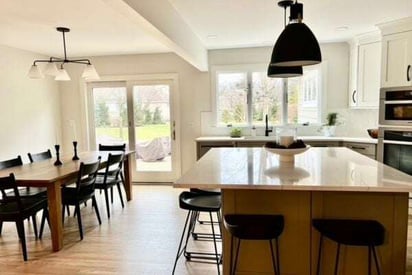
142 238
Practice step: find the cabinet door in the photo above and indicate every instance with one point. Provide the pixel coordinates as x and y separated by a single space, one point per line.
353 75
396 60
369 75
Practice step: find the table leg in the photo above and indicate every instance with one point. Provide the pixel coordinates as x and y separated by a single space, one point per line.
128 166
55 215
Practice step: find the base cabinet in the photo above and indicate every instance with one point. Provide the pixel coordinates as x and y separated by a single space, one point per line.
366 149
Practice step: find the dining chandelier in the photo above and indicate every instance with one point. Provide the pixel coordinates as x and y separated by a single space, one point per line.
59 72
296 45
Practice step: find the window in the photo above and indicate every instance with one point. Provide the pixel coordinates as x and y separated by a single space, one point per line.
245 96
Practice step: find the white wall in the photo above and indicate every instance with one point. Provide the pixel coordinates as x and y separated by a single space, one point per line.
30 108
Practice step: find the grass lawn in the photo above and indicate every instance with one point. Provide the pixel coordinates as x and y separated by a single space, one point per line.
146 132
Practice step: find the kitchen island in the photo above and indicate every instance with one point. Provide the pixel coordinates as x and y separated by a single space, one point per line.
321 183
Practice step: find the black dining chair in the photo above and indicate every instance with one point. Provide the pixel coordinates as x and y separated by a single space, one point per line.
27 191
111 178
39 156
116 147
82 191
23 191
14 208
112 147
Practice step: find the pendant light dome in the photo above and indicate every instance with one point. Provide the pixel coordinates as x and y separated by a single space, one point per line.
284 72
296 45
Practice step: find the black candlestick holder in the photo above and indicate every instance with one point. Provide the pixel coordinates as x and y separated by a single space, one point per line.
57 162
75 157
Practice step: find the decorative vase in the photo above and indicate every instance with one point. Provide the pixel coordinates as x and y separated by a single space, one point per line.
329 131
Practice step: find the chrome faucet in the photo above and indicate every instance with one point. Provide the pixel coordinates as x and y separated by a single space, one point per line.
267 130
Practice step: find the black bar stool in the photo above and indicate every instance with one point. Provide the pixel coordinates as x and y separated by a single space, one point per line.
195 203
255 227
200 235
368 233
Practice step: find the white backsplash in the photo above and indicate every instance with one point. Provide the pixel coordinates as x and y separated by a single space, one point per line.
353 123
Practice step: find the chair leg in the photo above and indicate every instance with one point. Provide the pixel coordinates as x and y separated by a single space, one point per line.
319 255
120 194
179 252
34 221
369 260
79 220
214 243
43 221
237 255
111 194
96 209
376 260
20 231
106 196
337 260
273 258
68 210
277 256
231 255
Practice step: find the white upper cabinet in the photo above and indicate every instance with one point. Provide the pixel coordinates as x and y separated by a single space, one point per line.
397 59
365 69
396 53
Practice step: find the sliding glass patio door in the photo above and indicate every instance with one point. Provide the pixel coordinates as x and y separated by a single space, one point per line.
140 113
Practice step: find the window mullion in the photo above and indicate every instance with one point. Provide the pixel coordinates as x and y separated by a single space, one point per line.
249 98
284 101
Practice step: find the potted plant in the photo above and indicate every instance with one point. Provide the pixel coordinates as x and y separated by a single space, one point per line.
236 132
329 127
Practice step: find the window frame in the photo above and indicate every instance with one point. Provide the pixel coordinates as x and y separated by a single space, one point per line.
259 67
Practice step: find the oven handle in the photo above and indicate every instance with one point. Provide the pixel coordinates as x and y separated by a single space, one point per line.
397 102
397 142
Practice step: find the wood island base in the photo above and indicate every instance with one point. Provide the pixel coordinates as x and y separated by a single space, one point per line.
298 243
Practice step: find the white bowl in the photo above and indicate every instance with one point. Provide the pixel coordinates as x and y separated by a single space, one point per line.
287 154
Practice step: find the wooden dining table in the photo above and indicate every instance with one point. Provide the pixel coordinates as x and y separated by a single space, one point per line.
46 174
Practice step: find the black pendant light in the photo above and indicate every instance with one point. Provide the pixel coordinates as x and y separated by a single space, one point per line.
284 72
296 45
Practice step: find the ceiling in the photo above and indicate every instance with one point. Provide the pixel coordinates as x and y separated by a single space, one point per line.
186 27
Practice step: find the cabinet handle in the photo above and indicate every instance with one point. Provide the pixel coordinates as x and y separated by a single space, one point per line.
353 96
408 78
358 147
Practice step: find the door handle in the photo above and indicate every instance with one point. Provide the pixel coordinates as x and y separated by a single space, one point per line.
353 96
408 77
174 135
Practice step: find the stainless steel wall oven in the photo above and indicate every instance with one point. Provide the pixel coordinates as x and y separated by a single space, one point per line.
395 147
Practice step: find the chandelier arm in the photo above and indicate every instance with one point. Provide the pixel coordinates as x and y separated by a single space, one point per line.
79 61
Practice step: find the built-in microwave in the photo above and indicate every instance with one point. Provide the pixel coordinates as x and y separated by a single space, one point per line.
395 106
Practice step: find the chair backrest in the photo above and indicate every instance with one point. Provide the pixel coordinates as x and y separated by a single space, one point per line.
6 184
11 163
120 147
86 177
114 165
40 156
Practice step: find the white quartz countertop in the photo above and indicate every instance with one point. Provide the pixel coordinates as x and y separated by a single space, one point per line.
304 138
317 169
